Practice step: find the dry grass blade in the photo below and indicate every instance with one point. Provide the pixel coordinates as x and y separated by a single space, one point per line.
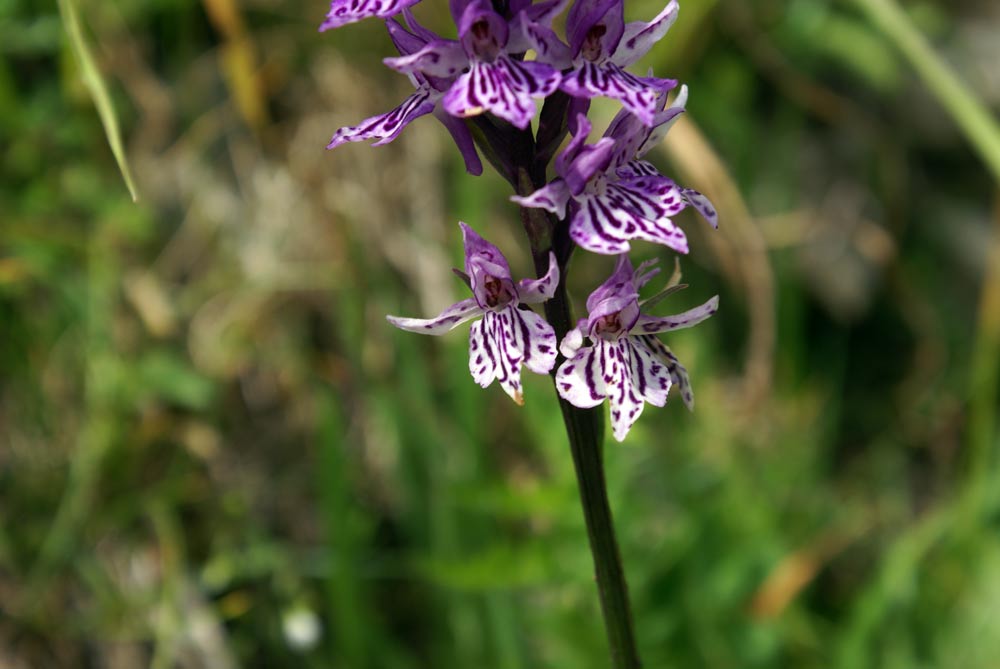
98 91
239 62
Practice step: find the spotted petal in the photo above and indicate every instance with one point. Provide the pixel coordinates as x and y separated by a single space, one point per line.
624 399
504 87
701 204
539 340
534 291
691 317
633 209
449 319
649 375
637 168
386 127
551 197
637 94
440 58
503 341
581 379
663 121
527 34
678 373
343 12
639 37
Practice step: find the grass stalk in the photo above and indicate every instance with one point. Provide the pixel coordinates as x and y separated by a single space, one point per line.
971 115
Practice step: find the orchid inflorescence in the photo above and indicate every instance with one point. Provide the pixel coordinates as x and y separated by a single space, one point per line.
483 87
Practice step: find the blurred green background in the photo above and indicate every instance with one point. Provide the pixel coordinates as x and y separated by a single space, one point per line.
214 451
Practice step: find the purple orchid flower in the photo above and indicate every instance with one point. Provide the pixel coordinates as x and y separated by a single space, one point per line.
624 363
343 12
487 76
507 337
611 196
635 140
383 128
601 45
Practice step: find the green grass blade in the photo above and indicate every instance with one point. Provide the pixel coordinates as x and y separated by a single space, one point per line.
975 120
98 91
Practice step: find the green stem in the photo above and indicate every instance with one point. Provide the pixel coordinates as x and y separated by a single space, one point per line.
584 427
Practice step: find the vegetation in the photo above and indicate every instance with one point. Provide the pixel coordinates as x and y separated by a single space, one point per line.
215 452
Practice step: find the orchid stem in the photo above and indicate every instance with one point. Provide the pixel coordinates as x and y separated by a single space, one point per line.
585 428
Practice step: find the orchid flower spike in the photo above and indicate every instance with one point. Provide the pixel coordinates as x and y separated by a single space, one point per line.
624 362
507 336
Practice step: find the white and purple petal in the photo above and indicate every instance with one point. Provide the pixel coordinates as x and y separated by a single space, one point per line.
639 37
551 197
488 270
440 58
637 94
678 373
653 324
617 291
663 121
649 375
645 272
638 168
633 138
386 127
701 204
503 341
535 291
624 400
633 209
580 380
505 87
447 320
343 12
538 340
481 254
